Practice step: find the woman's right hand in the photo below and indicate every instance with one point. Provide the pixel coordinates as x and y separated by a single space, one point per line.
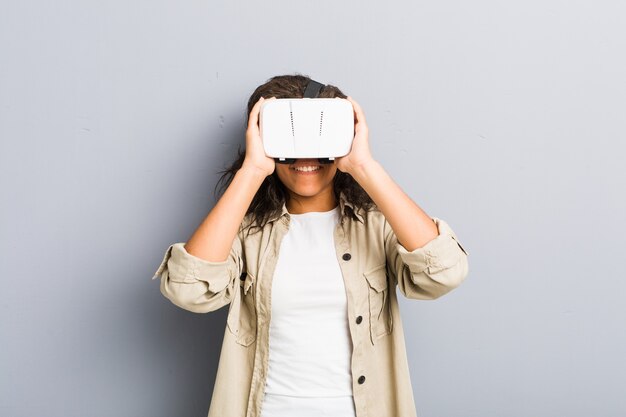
255 153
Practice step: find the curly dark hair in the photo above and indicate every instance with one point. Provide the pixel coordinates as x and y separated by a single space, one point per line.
272 194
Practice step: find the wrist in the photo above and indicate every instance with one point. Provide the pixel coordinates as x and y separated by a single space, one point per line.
252 171
364 168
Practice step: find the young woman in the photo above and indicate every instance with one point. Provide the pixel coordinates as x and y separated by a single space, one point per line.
308 255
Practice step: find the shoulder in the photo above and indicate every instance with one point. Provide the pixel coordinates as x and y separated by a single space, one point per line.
249 227
372 217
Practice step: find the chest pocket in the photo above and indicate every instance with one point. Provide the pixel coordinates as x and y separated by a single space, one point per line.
381 320
242 312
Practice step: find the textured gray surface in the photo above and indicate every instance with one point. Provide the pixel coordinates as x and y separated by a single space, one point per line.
506 120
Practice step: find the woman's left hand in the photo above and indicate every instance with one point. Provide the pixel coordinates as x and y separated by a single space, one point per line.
359 154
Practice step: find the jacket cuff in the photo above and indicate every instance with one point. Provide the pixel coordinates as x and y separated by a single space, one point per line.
184 267
442 252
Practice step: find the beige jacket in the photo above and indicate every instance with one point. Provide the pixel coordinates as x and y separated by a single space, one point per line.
372 263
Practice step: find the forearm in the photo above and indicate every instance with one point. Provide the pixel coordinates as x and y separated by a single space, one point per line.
412 226
213 239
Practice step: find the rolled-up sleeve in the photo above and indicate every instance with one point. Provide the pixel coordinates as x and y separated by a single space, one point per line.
196 284
430 271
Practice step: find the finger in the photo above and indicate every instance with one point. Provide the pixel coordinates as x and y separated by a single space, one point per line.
254 113
359 117
358 110
261 102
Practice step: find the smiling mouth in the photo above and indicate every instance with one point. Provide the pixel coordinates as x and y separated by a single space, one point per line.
307 168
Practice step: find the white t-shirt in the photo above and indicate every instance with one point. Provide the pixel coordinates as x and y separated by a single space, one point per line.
309 341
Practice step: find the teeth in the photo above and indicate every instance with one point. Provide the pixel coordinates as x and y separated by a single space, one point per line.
307 169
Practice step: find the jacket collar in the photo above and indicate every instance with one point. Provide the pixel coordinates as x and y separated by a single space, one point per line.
343 204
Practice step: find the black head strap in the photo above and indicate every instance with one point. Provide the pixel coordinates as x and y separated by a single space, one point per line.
312 89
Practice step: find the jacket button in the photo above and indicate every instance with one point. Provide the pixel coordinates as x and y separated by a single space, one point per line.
346 256
242 276
361 379
359 320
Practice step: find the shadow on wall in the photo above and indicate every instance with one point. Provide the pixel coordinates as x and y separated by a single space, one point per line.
183 348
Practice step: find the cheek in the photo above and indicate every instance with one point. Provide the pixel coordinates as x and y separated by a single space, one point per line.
282 173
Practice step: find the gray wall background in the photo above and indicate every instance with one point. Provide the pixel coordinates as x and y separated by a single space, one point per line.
506 119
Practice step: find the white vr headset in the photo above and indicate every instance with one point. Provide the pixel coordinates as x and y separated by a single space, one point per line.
307 127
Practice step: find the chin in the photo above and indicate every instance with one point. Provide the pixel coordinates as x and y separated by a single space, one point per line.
306 191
